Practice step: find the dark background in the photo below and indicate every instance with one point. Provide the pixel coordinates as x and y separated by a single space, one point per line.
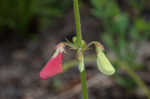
30 30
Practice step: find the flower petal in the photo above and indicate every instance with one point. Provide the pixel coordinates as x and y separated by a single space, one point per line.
103 63
53 67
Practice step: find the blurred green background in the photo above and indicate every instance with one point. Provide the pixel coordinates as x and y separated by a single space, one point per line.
30 29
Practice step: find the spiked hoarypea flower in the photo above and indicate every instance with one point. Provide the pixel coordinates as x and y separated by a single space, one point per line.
54 65
103 63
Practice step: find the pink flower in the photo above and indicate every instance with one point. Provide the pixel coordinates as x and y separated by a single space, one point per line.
54 65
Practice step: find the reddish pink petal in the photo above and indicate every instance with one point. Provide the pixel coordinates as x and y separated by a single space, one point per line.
53 67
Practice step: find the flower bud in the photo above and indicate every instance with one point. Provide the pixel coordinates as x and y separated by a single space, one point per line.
103 63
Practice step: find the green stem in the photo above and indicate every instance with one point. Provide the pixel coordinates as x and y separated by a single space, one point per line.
83 83
77 22
79 41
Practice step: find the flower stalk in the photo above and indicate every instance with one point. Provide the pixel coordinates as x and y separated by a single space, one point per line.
77 22
79 40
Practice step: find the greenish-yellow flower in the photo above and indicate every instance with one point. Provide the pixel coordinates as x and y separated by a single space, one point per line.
103 63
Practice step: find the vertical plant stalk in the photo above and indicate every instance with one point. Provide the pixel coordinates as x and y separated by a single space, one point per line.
79 41
77 22
83 83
